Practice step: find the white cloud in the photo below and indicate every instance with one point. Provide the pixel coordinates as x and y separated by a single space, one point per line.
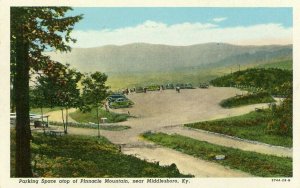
185 34
220 19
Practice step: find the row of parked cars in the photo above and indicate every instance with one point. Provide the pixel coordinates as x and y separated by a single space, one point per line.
119 100
181 86
168 86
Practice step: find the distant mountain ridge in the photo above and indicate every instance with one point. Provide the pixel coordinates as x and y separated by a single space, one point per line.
142 57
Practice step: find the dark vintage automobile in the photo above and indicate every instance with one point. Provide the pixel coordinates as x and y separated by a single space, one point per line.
114 97
204 85
181 86
188 86
169 86
139 90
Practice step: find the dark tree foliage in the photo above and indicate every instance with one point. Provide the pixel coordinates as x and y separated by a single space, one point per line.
37 99
94 92
59 83
269 80
33 31
282 121
277 82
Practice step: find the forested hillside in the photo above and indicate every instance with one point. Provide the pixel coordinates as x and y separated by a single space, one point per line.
272 80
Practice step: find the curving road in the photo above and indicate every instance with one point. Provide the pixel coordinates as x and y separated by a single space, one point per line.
166 111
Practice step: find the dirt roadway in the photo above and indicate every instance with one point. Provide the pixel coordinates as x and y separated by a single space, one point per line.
158 111
228 141
146 150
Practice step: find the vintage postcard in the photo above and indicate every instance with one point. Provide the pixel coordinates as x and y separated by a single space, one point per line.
184 95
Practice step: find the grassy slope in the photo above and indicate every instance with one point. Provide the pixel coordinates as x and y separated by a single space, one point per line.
254 98
251 162
284 64
81 156
252 126
92 116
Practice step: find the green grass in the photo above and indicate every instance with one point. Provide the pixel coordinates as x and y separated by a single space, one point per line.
92 116
284 64
153 88
45 110
254 163
251 126
123 104
82 156
254 98
93 126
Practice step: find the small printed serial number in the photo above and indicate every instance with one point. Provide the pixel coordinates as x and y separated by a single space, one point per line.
281 180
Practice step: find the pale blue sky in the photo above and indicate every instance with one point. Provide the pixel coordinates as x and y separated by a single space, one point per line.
112 18
183 26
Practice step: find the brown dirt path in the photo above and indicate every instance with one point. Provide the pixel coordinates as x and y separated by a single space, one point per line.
227 141
186 164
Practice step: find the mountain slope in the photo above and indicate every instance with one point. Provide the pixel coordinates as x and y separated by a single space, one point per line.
140 57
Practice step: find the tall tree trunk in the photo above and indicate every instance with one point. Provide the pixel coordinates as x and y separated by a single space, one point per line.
13 97
23 133
12 80
98 122
67 114
42 115
43 119
63 120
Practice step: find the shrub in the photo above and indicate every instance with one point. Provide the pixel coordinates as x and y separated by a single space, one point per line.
122 104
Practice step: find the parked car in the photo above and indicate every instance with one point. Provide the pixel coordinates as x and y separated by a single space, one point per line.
181 86
204 85
169 86
139 89
188 86
113 97
36 119
121 100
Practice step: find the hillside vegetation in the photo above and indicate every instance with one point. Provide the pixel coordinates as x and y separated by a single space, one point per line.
252 98
271 80
252 126
267 124
283 64
82 156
